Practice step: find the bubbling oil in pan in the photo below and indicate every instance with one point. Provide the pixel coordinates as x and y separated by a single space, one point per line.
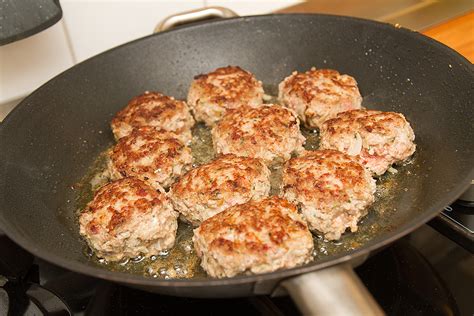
181 261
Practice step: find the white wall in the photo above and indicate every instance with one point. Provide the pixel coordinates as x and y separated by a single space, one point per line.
89 27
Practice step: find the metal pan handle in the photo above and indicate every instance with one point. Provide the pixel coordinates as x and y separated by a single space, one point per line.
334 291
194 16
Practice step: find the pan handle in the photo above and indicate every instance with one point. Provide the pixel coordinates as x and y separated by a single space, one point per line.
194 16
334 291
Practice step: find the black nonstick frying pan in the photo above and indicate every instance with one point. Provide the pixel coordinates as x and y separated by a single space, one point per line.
49 141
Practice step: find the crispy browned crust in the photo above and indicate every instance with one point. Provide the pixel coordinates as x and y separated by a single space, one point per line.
243 171
369 120
377 138
162 147
249 222
302 84
123 192
299 177
237 89
275 130
272 124
151 106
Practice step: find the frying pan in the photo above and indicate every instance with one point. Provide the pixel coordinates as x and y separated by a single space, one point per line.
49 140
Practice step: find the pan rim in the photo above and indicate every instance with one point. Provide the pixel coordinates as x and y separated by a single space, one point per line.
140 280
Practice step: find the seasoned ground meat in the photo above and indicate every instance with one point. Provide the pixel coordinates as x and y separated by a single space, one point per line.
153 109
255 237
128 218
153 156
331 189
212 94
270 132
319 94
211 188
378 139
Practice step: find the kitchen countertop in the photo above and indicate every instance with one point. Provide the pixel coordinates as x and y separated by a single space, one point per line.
457 33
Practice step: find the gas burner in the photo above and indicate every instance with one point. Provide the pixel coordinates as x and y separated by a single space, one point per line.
467 198
399 277
20 291
457 223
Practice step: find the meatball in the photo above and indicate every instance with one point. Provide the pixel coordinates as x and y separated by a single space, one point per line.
378 139
212 94
153 109
331 189
211 188
128 218
318 95
156 157
269 132
255 237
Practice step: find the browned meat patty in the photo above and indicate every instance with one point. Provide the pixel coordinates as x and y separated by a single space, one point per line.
211 188
255 237
150 155
319 94
153 109
332 190
269 132
212 94
379 139
128 218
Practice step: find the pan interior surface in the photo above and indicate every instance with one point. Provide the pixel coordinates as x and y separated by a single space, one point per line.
182 262
49 142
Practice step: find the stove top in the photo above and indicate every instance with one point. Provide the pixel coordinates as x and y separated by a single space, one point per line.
399 277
